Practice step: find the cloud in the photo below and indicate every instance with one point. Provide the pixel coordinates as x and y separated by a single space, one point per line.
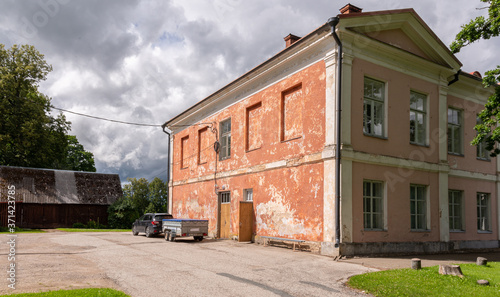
147 61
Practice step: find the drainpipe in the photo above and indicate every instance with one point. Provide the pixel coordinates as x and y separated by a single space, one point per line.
168 155
456 77
333 23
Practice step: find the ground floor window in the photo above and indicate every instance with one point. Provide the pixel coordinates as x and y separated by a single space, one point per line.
373 205
483 212
456 210
248 194
225 197
418 207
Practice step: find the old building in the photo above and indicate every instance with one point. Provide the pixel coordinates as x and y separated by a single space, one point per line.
47 198
408 179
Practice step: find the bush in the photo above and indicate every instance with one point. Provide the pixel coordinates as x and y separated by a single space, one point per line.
121 214
78 225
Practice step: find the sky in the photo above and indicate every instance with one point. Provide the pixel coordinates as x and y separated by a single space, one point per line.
147 61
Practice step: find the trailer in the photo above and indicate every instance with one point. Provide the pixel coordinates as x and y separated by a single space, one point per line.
173 228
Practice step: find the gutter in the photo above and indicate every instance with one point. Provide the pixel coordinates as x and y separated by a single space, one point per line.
333 22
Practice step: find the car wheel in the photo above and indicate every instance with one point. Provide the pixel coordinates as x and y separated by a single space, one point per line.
148 232
134 231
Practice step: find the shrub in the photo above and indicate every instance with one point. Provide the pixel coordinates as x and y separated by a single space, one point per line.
79 225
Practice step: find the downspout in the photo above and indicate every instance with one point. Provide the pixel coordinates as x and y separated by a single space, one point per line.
333 23
168 157
456 77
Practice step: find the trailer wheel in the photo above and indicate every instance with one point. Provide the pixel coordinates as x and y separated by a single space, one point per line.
172 237
167 235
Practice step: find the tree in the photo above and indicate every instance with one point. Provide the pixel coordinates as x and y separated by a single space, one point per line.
77 158
158 196
29 135
488 130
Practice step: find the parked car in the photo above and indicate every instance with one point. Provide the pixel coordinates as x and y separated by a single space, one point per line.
150 223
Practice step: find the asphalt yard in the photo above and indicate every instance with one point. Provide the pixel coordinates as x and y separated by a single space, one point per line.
142 266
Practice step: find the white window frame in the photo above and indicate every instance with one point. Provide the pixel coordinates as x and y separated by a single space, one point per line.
455 123
376 105
456 198
483 212
225 140
418 111
369 223
481 152
421 219
248 195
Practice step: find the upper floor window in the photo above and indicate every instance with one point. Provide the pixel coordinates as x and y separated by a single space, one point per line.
373 108
455 134
292 102
225 139
481 151
418 115
184 152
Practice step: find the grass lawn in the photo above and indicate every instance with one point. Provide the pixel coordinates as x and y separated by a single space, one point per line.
5 230
79 293
428 282
93 230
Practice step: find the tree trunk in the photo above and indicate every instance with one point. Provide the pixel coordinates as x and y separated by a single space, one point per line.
450 270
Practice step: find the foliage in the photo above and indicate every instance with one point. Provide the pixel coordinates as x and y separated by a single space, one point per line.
77 158
90 292
485 28
79 225
428 282
20 230
29 135
139 197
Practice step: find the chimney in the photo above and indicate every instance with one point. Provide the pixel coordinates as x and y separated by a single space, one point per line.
291 39
349 8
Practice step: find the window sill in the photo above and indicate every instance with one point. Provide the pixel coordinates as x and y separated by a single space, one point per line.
420 231
457 231
419 144
183 168
375 230
227 158
291 139
484 232
483 159
202 163
376 136
255 149
456 154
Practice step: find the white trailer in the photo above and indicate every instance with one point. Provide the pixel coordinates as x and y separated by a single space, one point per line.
173 228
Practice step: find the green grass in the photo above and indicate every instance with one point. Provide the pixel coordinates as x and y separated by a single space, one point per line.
428 282
93 230
5 230
80 292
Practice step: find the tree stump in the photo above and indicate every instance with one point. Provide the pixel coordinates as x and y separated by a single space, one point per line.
481 261
450 270
416 264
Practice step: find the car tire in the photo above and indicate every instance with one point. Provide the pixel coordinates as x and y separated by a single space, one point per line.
134 231
148 232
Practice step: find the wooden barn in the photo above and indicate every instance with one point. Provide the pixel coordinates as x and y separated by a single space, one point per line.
48 198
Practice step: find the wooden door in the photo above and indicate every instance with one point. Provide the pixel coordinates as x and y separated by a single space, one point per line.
225 215
246 221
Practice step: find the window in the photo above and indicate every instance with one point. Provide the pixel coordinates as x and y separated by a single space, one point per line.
456 210
204 147
418 207
483 212
184 152
418 129
454 131
481 151
373 205
291 113
225 140
248 194
373 107
254 127
225 197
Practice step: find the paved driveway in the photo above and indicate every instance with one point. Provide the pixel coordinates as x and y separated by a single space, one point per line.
143 266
